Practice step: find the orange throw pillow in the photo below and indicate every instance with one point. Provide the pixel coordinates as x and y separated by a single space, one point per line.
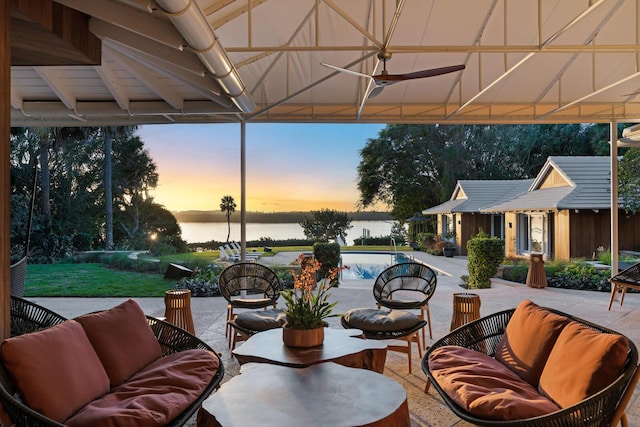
530 335
122 339
582 363
56 371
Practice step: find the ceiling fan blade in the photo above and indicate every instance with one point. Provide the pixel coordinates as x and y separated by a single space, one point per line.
419 74
344 70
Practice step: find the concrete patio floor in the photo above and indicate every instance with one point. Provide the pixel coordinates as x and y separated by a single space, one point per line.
426 409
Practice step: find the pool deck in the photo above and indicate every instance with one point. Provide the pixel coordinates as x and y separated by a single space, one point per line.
426 409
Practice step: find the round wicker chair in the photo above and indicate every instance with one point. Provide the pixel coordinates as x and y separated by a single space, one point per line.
400 288
247 285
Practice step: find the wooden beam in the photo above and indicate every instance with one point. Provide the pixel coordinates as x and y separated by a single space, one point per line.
5 168
47 33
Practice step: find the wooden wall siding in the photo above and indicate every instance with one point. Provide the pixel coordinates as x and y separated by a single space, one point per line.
589 230
561 235
510 234
47 33
553 179
469 227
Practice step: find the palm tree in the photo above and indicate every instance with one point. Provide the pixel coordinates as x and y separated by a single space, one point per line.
228 205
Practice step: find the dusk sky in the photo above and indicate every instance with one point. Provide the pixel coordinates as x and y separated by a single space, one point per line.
290 167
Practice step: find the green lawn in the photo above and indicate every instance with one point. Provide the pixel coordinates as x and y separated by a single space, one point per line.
98 280
91 280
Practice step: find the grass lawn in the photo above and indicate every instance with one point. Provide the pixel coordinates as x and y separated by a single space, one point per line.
98 280
91 280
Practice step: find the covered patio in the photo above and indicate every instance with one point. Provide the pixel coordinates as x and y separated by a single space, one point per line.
425 409
136 62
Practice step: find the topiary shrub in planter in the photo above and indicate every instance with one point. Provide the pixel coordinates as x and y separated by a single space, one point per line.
484 256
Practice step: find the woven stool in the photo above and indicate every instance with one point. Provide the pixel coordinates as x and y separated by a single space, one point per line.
536 276
466 307
178 309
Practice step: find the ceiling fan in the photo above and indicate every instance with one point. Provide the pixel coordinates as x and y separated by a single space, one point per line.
385 79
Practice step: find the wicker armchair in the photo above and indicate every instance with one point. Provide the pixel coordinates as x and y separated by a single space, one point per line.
30 317
248 285
27 316
399 288
605 408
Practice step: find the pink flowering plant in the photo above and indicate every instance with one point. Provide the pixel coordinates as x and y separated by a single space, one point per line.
307 303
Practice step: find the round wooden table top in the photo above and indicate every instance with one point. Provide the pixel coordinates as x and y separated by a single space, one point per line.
326 394
340 345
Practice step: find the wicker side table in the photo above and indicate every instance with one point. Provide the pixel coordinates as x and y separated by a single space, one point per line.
466 307
178 309
536 276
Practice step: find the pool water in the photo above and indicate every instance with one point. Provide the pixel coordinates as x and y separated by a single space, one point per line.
368 265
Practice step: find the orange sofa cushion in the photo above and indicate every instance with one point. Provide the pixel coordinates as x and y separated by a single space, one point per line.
484 387
582 363
56 371
526 344
154 396
122 339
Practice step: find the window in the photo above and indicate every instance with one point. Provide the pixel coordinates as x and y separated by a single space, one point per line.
532 233
448 227
497 226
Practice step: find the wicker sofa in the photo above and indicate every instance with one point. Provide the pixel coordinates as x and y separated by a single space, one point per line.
109 368
534 366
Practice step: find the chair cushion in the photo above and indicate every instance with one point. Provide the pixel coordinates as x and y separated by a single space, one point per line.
56 370
582 363
122 339
154 396
374 320
261 320
484 387
530 335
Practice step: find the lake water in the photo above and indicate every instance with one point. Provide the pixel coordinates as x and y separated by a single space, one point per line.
199 232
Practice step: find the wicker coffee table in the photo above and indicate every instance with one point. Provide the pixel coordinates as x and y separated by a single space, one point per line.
340 345
326 394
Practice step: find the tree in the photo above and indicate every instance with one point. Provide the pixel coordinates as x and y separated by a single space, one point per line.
109 133
413 167
629 181
228 205
326 224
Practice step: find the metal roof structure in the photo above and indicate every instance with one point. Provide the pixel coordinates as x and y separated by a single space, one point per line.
473 195
587 185
221 61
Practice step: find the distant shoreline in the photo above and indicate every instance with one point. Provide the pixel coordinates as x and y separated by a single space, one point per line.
270 217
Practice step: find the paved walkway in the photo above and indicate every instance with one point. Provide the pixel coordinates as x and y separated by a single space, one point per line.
426 409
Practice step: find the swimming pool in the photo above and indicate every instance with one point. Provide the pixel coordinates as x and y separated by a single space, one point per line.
368 265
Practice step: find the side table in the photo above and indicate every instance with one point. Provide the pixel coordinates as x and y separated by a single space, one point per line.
321 395
536 276
466 307
178 309
341 346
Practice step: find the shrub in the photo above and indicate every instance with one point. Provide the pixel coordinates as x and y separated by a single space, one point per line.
328 254
484 256
203 283
580 275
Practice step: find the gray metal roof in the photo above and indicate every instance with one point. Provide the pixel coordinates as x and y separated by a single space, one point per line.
588 186
480 194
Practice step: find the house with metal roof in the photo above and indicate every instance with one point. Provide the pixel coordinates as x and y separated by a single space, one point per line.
566 212
461 217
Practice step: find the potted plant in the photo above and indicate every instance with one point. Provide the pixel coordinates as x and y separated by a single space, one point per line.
449 248
307 304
